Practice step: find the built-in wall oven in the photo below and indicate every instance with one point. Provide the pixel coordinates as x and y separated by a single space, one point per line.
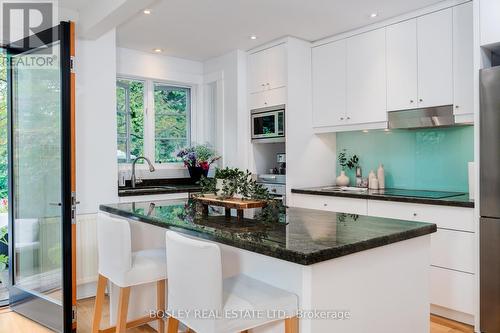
268 124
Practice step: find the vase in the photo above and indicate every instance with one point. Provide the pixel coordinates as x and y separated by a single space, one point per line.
342 180
196 172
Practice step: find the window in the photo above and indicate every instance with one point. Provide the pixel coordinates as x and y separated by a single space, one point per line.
172 105
130 119
157 134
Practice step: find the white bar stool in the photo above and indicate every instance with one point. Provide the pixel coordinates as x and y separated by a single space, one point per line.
124 268
196 284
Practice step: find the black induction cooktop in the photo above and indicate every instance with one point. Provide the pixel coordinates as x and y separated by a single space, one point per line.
416 193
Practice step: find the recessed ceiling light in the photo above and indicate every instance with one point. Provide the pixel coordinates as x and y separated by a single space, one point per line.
147 11
373 15
253 37
365 131
158 50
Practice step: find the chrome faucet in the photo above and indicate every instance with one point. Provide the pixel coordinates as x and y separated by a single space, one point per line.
133 180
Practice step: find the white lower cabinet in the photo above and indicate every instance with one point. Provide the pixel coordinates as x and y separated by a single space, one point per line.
453 290
332 204
453 249
452 270
455 218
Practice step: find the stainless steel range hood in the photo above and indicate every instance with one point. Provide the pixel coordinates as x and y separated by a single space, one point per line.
439 116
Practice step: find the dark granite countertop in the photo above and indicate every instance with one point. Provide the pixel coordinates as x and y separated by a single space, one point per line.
159 186
457 200
301 236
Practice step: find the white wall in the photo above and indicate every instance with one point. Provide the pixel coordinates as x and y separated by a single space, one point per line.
96 171
231 69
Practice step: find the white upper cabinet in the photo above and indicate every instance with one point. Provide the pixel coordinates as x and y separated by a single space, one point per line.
267 69
402 90
489 11
435 59
276 66
257 72
463 59
366 78
329 84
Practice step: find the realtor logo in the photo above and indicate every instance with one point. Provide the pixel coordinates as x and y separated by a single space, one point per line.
23 19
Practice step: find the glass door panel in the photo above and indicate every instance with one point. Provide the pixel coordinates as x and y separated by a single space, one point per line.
36 124
41 203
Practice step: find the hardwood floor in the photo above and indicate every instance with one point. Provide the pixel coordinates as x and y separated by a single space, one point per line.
12 322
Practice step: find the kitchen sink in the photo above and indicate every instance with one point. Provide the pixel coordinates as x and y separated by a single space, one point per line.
344 189
147 188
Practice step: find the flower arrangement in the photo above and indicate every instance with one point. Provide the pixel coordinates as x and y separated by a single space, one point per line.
347 162
201 156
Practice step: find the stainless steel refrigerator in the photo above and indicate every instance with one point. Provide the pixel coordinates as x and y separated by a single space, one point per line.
490 200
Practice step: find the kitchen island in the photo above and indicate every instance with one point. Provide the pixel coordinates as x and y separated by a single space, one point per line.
351 273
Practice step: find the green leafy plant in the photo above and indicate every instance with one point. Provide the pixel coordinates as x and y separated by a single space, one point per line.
347 162
4 262
239 182
3 235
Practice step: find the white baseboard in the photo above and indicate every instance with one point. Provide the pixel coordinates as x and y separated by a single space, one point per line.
452 314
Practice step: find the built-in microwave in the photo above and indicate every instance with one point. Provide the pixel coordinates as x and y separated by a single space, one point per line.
268 124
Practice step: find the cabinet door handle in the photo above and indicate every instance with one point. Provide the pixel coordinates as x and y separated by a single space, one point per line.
415 214
457 106
341 118
420 100
348 118
411 101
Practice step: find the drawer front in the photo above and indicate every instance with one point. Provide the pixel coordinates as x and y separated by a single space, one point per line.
453 249
453 290
457 218
333 204
256 100
274 97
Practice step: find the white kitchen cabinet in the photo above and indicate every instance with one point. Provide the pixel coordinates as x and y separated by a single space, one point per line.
266 98
453 249
327 203
435 58
402 90
329 84
463 60
267 69
455 218
489 11
452 289
276 66
366 78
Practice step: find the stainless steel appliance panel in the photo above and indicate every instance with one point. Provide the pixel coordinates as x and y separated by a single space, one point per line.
490 275
490 143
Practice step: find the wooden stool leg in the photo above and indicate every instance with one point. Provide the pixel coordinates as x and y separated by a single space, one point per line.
160 304
292 325
121 321
173 325
99 299
239 213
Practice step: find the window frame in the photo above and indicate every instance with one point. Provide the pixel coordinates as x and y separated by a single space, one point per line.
149 119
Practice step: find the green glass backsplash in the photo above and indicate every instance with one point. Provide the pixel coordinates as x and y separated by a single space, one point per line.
425 159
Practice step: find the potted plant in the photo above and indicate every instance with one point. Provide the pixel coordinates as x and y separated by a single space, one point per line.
198 159
226 181
345 163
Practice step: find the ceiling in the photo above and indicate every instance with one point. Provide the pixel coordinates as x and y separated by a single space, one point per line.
202 29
